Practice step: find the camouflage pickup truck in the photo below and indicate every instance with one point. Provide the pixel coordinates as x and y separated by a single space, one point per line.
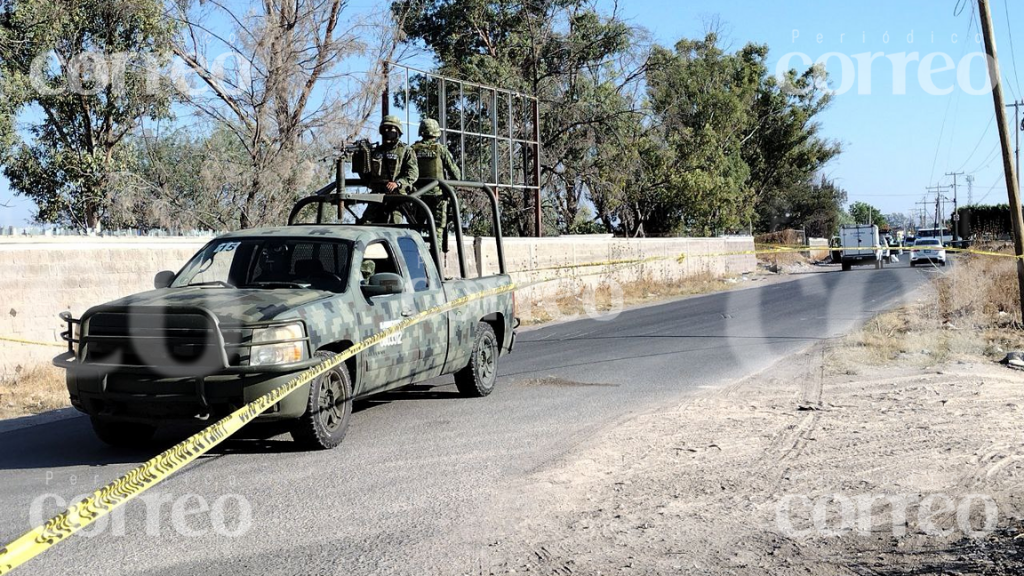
253 308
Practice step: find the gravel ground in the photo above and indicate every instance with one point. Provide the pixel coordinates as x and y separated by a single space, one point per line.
899 463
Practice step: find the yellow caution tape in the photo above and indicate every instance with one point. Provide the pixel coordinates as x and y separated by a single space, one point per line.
153 471
160 467
802 248
32 342
765 249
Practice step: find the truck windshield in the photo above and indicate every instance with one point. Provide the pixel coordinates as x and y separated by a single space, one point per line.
269 263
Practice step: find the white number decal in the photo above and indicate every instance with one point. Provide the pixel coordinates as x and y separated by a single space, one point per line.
394 339
227 247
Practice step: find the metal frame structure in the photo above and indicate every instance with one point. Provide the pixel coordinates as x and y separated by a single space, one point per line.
333 195
523 169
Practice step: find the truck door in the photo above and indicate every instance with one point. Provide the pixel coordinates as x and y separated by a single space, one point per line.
427 342
383 361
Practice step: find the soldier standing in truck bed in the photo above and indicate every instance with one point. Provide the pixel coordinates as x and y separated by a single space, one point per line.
390 169
435 163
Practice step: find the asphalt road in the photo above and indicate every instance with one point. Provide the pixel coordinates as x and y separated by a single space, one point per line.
408 489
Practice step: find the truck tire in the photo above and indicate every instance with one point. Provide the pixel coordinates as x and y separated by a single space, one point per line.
477 378
846 266
328 409
122 434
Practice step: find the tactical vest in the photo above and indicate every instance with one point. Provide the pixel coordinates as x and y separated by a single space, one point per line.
428 156
387 163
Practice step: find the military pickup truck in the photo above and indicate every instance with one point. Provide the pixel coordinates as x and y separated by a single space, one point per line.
253 308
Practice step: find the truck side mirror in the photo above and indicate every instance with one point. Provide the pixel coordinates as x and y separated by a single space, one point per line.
383 284
163 279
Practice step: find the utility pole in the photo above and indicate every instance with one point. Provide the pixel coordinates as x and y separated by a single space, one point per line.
1018 126
924 212
938 190
956 215
1012 185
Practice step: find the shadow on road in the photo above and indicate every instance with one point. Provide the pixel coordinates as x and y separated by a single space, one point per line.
71 442
427 391
68 442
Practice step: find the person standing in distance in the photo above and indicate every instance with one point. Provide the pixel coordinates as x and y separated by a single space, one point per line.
435 163
393 169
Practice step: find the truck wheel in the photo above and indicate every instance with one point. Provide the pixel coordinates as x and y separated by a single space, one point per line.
122 434
477 378
328 409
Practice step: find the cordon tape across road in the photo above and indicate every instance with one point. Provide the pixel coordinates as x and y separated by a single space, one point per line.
153 471
31 342
157 469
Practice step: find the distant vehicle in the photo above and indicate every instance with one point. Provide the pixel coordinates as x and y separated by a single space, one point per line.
861 245
927 250
942 234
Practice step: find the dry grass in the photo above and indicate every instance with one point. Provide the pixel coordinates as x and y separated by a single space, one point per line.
32 391
781 239
790 258
980 292
577 302
972 311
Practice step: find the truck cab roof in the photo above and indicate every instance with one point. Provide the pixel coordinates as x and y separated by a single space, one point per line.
353 233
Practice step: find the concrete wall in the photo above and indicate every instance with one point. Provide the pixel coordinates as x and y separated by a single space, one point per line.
39 278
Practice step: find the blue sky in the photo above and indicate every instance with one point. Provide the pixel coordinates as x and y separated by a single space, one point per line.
895 145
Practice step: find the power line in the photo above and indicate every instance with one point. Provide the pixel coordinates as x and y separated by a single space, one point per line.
988 159
991 121
1013 53
956 106
990 188
945 115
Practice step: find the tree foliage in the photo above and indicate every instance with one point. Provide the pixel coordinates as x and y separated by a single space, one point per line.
815 205
864 213
76 75
745 148
987 219
637 139
288 105
582 66
690 140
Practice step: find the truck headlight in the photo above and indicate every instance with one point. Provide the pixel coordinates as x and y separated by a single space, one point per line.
275 351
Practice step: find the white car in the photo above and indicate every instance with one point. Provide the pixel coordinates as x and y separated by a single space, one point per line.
928 250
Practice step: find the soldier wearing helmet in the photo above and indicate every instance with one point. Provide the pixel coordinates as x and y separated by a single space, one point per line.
435 163
393 168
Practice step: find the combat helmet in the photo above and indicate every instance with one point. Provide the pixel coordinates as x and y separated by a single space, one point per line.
429 128
391 120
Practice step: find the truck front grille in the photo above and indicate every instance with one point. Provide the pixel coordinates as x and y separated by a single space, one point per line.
172 338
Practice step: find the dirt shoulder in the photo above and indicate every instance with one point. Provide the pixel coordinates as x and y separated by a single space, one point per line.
823 464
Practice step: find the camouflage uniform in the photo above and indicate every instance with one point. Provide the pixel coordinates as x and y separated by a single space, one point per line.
390 162
436 163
